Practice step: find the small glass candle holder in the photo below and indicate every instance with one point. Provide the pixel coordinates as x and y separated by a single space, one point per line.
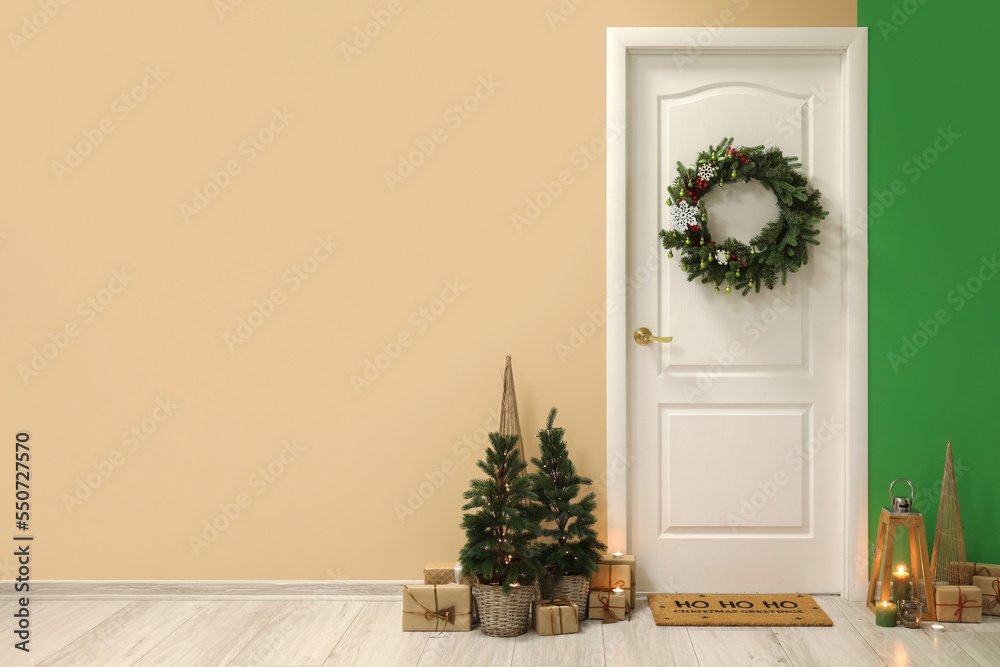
909 612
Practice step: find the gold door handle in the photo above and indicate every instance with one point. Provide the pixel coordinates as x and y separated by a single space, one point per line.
644 336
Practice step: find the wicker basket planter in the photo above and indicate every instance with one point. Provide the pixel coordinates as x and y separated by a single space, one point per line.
572 587
504 615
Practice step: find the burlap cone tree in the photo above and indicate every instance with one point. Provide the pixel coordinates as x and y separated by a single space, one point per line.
949 539
509 422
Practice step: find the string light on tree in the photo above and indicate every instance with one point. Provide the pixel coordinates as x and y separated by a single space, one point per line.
508 555
572 544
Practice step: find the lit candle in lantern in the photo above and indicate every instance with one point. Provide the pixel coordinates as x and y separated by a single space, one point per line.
618 591
885 614
900 584
618 554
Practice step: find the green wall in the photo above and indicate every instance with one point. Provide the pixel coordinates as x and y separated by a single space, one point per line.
934 240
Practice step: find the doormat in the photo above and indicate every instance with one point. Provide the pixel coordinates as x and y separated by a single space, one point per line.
722 610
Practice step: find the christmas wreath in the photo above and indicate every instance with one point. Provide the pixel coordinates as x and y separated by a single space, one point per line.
781 247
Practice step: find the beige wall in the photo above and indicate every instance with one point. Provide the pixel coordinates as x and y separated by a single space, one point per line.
166 285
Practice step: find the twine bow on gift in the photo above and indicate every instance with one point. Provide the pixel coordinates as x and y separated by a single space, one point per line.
995 595
962 604
447 614
609 616
981 571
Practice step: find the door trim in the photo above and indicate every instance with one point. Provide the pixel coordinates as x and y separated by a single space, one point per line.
852 44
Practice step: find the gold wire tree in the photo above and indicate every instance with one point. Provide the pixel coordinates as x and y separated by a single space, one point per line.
948 560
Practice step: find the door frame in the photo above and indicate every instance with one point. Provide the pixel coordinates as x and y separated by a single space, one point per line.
852 44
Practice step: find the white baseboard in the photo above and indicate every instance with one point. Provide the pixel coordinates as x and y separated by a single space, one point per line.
325 589
210 590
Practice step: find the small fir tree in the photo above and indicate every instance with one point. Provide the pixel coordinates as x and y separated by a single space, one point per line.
498 548
572 545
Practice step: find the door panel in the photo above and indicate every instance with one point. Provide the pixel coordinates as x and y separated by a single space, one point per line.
737 505
737 426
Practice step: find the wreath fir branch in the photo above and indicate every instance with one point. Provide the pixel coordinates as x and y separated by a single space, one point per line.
780 248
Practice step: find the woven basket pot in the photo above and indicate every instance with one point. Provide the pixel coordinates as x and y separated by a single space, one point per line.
576 589
504 615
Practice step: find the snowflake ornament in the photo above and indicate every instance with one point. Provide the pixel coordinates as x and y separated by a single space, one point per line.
683 215
722 257
706 172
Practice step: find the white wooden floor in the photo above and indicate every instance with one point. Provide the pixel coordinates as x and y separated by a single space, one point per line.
210 633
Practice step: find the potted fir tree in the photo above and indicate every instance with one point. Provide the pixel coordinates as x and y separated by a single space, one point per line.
572 549
499 534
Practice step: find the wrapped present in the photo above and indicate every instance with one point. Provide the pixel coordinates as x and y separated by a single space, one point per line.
437 608
608 606
961 574
609 577
985 570
958 604
445 573
556 617
990 588
623 560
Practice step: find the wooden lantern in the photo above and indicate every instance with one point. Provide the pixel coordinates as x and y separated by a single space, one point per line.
919 563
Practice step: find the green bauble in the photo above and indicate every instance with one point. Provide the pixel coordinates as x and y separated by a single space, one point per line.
687 241
670 254
729 289
737 273
703 265
716 290
684 268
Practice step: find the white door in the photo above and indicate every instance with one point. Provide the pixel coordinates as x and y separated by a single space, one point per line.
736 429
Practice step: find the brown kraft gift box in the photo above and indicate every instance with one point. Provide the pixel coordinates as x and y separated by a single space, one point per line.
606 601
437 608
990 588
626 560
609 577
958 604
961 574
556 617
443 573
